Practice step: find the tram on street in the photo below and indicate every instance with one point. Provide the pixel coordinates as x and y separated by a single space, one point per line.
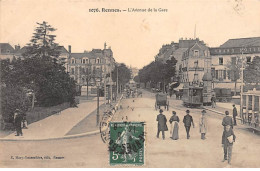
192 96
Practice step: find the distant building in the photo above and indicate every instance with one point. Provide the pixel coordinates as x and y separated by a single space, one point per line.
6 51
191 55
134 72
228 53
91 66
196 62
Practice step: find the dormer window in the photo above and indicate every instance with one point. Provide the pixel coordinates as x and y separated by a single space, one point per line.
196 53
98 61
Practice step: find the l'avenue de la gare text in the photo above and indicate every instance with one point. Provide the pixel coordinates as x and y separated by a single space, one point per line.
94 10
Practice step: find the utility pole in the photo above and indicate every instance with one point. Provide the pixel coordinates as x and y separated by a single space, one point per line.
111 81
117 81
242 82
105 82
97 105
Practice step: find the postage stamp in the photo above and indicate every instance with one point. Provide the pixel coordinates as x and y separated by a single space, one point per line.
126 145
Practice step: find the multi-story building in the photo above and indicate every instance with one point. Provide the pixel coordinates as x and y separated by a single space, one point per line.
91 66
229 53
195 63
192 56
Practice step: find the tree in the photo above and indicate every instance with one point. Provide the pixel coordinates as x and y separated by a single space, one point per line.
42 44
234 66
13 97
157 71
252 71
124 74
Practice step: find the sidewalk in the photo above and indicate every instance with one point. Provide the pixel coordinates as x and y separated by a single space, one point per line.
222 107
58 125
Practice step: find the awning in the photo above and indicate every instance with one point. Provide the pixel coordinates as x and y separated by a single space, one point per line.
179 87
174 85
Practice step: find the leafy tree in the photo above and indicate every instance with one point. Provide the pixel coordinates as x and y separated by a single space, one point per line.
157 71
42 43
13 97
234 66
124 74
252 71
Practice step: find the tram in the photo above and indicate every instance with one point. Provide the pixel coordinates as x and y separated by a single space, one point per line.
192 96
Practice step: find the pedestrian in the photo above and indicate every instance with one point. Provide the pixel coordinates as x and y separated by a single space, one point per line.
227 120
18 122
174 120
234 114
188 120
213 101
162 126
228 137
203 125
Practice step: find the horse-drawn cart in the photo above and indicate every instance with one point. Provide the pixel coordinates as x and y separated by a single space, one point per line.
161 100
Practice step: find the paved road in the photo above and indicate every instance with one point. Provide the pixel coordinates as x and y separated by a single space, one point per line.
92 152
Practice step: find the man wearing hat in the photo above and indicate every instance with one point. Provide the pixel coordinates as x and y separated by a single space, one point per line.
17 122
227 120
188 120
203 125
234 114
162 126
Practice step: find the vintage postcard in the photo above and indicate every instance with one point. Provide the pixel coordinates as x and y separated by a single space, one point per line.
129 83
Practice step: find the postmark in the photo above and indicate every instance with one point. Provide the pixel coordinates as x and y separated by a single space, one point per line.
126 145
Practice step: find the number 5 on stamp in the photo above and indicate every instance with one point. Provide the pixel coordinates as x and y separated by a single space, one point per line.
126 145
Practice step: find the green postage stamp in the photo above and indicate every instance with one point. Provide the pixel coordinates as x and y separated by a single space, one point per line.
126 145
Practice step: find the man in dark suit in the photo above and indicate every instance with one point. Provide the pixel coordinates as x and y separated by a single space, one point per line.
188 120
162 126
17 122
227 120
234 114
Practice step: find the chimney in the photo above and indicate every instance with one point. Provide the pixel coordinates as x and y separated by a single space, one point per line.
17 47
69 47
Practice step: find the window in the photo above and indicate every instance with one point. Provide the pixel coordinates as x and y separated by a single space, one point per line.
224 74
248 59
97 61
216 74
213 72
233 60
73 61
72 71
220 61
196 53
229 74
83 61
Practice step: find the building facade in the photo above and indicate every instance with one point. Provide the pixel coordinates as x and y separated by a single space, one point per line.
243 49
193 59
91 67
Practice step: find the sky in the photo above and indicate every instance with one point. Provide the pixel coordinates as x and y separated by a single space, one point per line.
135 37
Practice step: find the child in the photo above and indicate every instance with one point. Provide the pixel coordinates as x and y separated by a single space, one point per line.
228 138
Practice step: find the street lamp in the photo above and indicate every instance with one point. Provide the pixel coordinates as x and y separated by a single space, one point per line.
242 83
98 86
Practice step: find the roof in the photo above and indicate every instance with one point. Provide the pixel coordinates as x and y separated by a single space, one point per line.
178 53
63 50
207 77
6 48
81 55
252 41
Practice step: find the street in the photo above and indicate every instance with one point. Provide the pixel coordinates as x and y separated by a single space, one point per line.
90 151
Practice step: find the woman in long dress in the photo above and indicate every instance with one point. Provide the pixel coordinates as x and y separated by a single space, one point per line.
203 125
174 120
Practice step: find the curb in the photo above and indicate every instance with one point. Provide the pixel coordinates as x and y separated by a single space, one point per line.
68 136
220 113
